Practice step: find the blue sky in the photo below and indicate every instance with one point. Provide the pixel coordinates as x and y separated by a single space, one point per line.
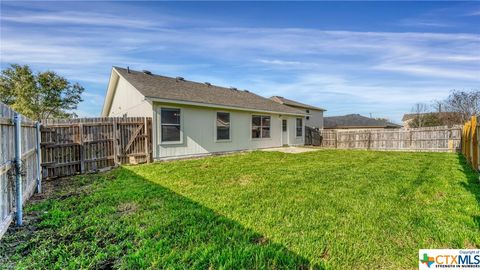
374 58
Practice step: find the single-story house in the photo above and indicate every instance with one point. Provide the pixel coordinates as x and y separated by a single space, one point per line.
356 121
314 116
192 118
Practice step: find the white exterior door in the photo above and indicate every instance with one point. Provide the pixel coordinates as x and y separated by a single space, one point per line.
284 132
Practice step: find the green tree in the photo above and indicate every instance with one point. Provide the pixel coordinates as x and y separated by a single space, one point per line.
39 96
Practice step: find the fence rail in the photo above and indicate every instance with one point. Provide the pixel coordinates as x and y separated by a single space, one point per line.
29 170
470 142
436 139
72 146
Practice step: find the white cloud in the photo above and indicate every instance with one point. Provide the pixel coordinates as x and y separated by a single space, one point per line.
280 62
80 18
474 13
314 86
84 113
340 94
93 98
431 71
347 68
424 23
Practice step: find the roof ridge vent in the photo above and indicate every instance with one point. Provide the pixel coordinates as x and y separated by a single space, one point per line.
207 83
246 91
148 72
233 88
179 79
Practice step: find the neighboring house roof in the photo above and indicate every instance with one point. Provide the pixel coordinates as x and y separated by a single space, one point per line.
293 103
356 121
156 87
410 116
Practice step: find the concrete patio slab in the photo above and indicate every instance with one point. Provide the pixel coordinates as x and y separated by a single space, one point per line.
292 149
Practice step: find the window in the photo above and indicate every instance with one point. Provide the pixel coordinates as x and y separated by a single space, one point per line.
299 127
170 125
223 126
284 125
308 117
308 111
260 126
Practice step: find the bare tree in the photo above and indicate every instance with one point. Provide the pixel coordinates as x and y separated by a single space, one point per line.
444 116
463 103
419 110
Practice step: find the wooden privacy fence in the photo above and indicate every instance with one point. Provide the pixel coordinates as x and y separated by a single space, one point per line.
312 136
72 146
435 139
470 139
16 171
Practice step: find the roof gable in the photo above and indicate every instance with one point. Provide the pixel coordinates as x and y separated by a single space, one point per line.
293 103
177 89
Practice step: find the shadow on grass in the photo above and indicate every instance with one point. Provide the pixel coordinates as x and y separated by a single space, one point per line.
473 182
126 221
172 231
194 236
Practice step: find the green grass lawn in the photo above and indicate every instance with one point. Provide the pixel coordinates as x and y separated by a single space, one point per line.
329 209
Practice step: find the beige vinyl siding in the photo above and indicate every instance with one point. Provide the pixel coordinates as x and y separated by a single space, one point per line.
198 126
315 120
128 101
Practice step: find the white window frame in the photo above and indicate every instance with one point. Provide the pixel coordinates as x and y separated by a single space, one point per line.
296 127
215 128
251 126
160 125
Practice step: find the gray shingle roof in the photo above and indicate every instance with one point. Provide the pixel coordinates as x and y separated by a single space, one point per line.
356 121
156 86
294 103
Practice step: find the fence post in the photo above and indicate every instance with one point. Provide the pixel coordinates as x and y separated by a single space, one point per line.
39 158
82 149
18 168
147 151
474 143
115 143
410 138
478 146
336 138
369 140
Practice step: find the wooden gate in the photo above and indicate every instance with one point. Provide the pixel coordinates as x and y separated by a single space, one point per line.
312 136
91 144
